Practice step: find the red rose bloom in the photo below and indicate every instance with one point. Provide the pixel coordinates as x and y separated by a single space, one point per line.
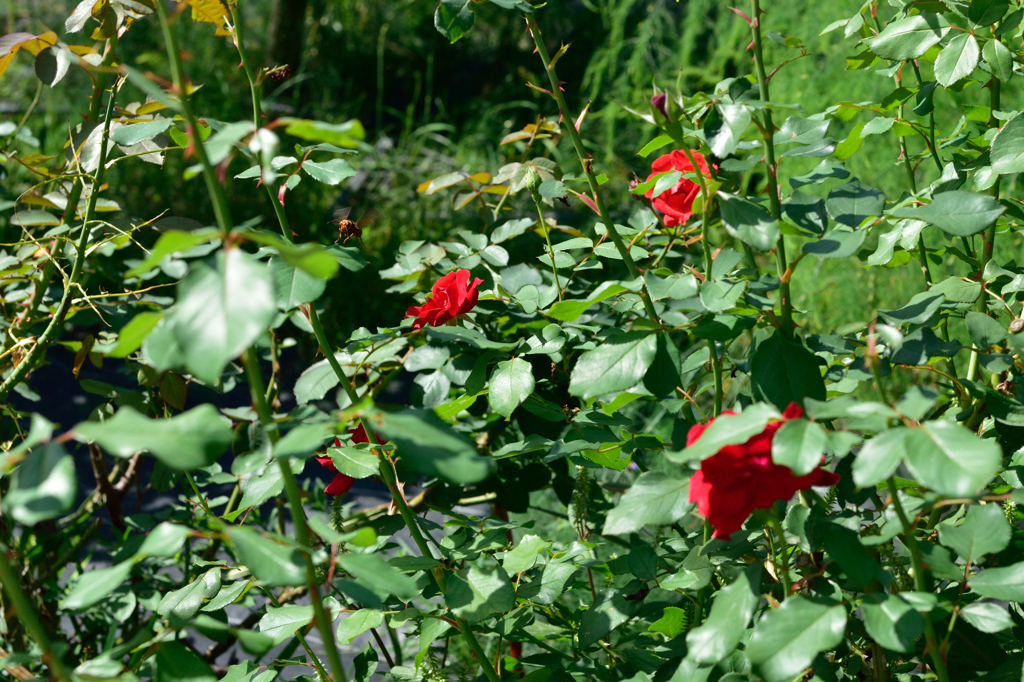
452 295
738 479
341 483
676 204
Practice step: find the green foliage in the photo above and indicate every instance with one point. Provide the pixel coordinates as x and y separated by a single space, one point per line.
835 304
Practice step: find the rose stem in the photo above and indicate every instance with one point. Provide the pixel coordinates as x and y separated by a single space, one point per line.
771 166
586 162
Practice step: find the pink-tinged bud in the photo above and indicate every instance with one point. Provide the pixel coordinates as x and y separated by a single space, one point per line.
659 102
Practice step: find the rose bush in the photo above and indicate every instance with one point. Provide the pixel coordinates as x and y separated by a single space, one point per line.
605 449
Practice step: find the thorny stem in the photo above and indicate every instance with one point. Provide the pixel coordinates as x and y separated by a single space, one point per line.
291 489
50 333
587 163
768 130
938 664
27 615
387 474
220 207
254 89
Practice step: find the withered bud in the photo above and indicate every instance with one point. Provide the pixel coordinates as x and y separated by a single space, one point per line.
281 73
1016 325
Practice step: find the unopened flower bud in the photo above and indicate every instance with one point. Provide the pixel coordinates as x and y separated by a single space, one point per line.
533 180
660 102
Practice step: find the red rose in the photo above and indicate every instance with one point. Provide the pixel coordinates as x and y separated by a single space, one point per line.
341 483
452 295
738 479
359 436
677 203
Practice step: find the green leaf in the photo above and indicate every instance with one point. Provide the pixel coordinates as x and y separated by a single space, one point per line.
453 18
724 127
662 377
880 457
892 621
909 38
221 310
273 562
654 499
731 611
94 585
355 462
188 441
511 383
316 380
618 364
1007 153
427 445
331 172
727 429
951 460
999 58
852 203
957 60
958 213
43 486
347 135
784 372
799 444
1005 583
131 336
357 623
984 530
655 144
135 133
280 623
165 540
672 623
294 286
479 592
786 639
185 602
987 617
374 573
841 242
748 222
303 440
918 309
609 611
570 310
984 331
524 555
175 662
171 242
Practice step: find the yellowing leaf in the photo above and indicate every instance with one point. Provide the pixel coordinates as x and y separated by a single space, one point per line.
211 12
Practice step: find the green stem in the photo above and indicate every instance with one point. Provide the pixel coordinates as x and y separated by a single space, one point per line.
28 112
50 333
547 237
782 554
257 107
989 236
587 163
216 192
294 495
27 615
771 166
938 664
930 143
387 474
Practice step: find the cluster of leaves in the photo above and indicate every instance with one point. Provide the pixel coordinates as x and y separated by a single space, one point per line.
567 391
